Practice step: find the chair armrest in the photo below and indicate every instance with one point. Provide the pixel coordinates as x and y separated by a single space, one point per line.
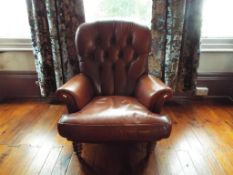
152 92
76 92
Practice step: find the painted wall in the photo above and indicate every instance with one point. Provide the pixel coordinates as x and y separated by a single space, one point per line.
209 61
17 61
216 62
24 82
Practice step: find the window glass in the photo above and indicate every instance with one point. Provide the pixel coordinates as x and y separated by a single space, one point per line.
132 10
217 19
14 19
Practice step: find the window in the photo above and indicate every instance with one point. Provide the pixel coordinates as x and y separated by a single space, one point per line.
217 25
14 30
132 10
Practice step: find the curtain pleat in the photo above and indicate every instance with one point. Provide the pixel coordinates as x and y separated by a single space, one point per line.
190 49
41 46
54 41
70 16
53 25
175 21
175 29
158 33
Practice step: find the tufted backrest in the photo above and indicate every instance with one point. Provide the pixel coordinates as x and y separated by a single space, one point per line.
113 54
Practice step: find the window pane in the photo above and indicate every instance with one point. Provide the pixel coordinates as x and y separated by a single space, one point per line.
14 19
132 10
217 18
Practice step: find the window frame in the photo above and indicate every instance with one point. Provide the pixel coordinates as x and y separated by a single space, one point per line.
209 44
15 44
214 43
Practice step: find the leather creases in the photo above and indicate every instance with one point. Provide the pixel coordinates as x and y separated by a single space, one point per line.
113 55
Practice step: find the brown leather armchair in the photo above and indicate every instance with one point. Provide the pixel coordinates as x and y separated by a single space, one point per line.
113 99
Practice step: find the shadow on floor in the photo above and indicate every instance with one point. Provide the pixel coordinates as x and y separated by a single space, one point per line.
115 159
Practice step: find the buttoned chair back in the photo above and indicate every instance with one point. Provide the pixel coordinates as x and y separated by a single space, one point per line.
113 54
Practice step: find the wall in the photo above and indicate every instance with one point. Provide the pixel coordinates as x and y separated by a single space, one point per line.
216 62
17 75
216 72
17 61
209 61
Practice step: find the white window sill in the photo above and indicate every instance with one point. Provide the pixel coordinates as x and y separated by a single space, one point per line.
207 45
15 44
216 45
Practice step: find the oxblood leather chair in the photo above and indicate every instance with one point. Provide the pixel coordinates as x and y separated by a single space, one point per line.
113 99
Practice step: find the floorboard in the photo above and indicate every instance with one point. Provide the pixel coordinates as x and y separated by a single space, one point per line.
201 143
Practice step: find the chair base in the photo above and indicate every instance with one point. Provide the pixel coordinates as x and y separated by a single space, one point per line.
77 146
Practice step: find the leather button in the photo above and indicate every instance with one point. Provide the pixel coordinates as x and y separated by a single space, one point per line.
106 54
135 56
113 66
64 96
98 41
120 54
108 43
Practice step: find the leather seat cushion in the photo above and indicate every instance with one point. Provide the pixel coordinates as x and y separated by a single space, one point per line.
114 118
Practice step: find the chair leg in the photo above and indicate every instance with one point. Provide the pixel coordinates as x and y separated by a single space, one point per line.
150 148
77 148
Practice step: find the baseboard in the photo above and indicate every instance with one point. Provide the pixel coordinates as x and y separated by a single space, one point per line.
220 87
18 84
219 84
21 85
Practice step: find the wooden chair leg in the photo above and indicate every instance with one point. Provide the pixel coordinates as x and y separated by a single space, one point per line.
150 148
77 149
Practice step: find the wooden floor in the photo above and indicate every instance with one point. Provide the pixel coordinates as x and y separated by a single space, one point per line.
201 143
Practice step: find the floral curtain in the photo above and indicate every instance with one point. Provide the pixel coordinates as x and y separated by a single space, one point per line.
175 29
53 25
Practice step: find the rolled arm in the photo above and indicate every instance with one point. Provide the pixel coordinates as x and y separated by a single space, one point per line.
76 92
152 92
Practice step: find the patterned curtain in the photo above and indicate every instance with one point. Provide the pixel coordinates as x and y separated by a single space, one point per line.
53 25
176 26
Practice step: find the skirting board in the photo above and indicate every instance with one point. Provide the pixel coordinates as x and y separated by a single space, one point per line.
21 84
18 84
219 84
